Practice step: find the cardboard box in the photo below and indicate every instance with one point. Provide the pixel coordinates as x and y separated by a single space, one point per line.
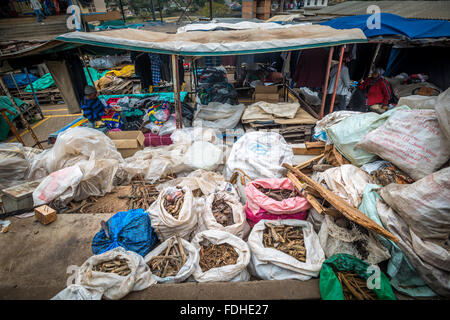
266 89
45 214
267 97
127 142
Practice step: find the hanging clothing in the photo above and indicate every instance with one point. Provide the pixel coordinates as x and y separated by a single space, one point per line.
311 68
142 67
213 61
344 80
156 68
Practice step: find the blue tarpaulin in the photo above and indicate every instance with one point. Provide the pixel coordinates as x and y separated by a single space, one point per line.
392 24
21 80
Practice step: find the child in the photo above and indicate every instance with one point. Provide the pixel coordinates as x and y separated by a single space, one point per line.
93 108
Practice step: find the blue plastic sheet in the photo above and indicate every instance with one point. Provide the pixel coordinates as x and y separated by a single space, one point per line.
131 230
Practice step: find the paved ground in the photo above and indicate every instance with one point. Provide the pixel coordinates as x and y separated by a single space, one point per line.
55 117
34 259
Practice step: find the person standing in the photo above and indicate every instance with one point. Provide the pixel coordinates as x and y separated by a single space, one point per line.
342 89
378 91
37 8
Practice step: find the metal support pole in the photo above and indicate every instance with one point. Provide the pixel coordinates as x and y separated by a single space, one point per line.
153 10
338 74
85 66
176 92
15 83
24 121
34 93
325 85
210 10
121 11
160 10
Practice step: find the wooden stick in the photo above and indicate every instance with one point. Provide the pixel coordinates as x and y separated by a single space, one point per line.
308 162
183 255
302 190
343 207
311 151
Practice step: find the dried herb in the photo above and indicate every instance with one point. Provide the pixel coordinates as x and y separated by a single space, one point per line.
119 266
287 239
216 255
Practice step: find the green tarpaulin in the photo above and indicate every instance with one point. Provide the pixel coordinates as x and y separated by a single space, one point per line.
46 81
5 103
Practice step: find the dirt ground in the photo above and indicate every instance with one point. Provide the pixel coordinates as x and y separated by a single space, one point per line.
34 259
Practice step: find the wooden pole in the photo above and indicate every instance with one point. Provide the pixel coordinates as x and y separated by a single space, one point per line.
11 126
153 10
160 10
325 85
338 74
176 92
34 93
210 10
85 66
24 121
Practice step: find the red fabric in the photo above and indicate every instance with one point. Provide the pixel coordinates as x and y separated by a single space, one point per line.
155 140
379 92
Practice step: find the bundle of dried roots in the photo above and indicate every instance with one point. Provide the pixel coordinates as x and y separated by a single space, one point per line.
216 255
288 239
174 203
119 266
171 262
278 194
222 212
354 287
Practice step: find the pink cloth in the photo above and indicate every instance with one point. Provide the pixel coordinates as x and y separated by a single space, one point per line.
253 219
256 200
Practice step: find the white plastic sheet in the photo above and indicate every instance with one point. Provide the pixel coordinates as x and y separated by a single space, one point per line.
273 264
218 115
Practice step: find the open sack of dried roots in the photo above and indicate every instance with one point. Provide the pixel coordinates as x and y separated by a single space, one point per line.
173 213
285 249
115 273
173 260
222 257
223 211
345 277
340 235
273 199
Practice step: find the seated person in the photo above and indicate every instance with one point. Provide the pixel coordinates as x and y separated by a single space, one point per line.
93 108
378 90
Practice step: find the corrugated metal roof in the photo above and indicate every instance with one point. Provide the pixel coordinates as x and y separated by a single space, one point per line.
408 9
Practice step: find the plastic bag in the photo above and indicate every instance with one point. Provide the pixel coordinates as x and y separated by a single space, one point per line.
424 204
165 224
330 287
339 235
257 200
186 270
348 132
203 155
411 140
13 164
207 221
56 184
77 292
111 285
346 181
233 273
131 230
442 109
404 277
72 146
259 155
272 264
218 115
190 135
329 120
430 259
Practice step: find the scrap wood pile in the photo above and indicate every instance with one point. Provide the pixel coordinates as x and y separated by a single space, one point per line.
171 262
354 287
118 266
222 211
288 239
216 255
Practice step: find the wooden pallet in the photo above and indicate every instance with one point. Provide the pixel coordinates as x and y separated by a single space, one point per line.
47 96
292 133
125 87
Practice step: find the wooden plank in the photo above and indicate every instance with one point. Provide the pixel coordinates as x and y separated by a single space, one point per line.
315 144
302 151
343 207
308 162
